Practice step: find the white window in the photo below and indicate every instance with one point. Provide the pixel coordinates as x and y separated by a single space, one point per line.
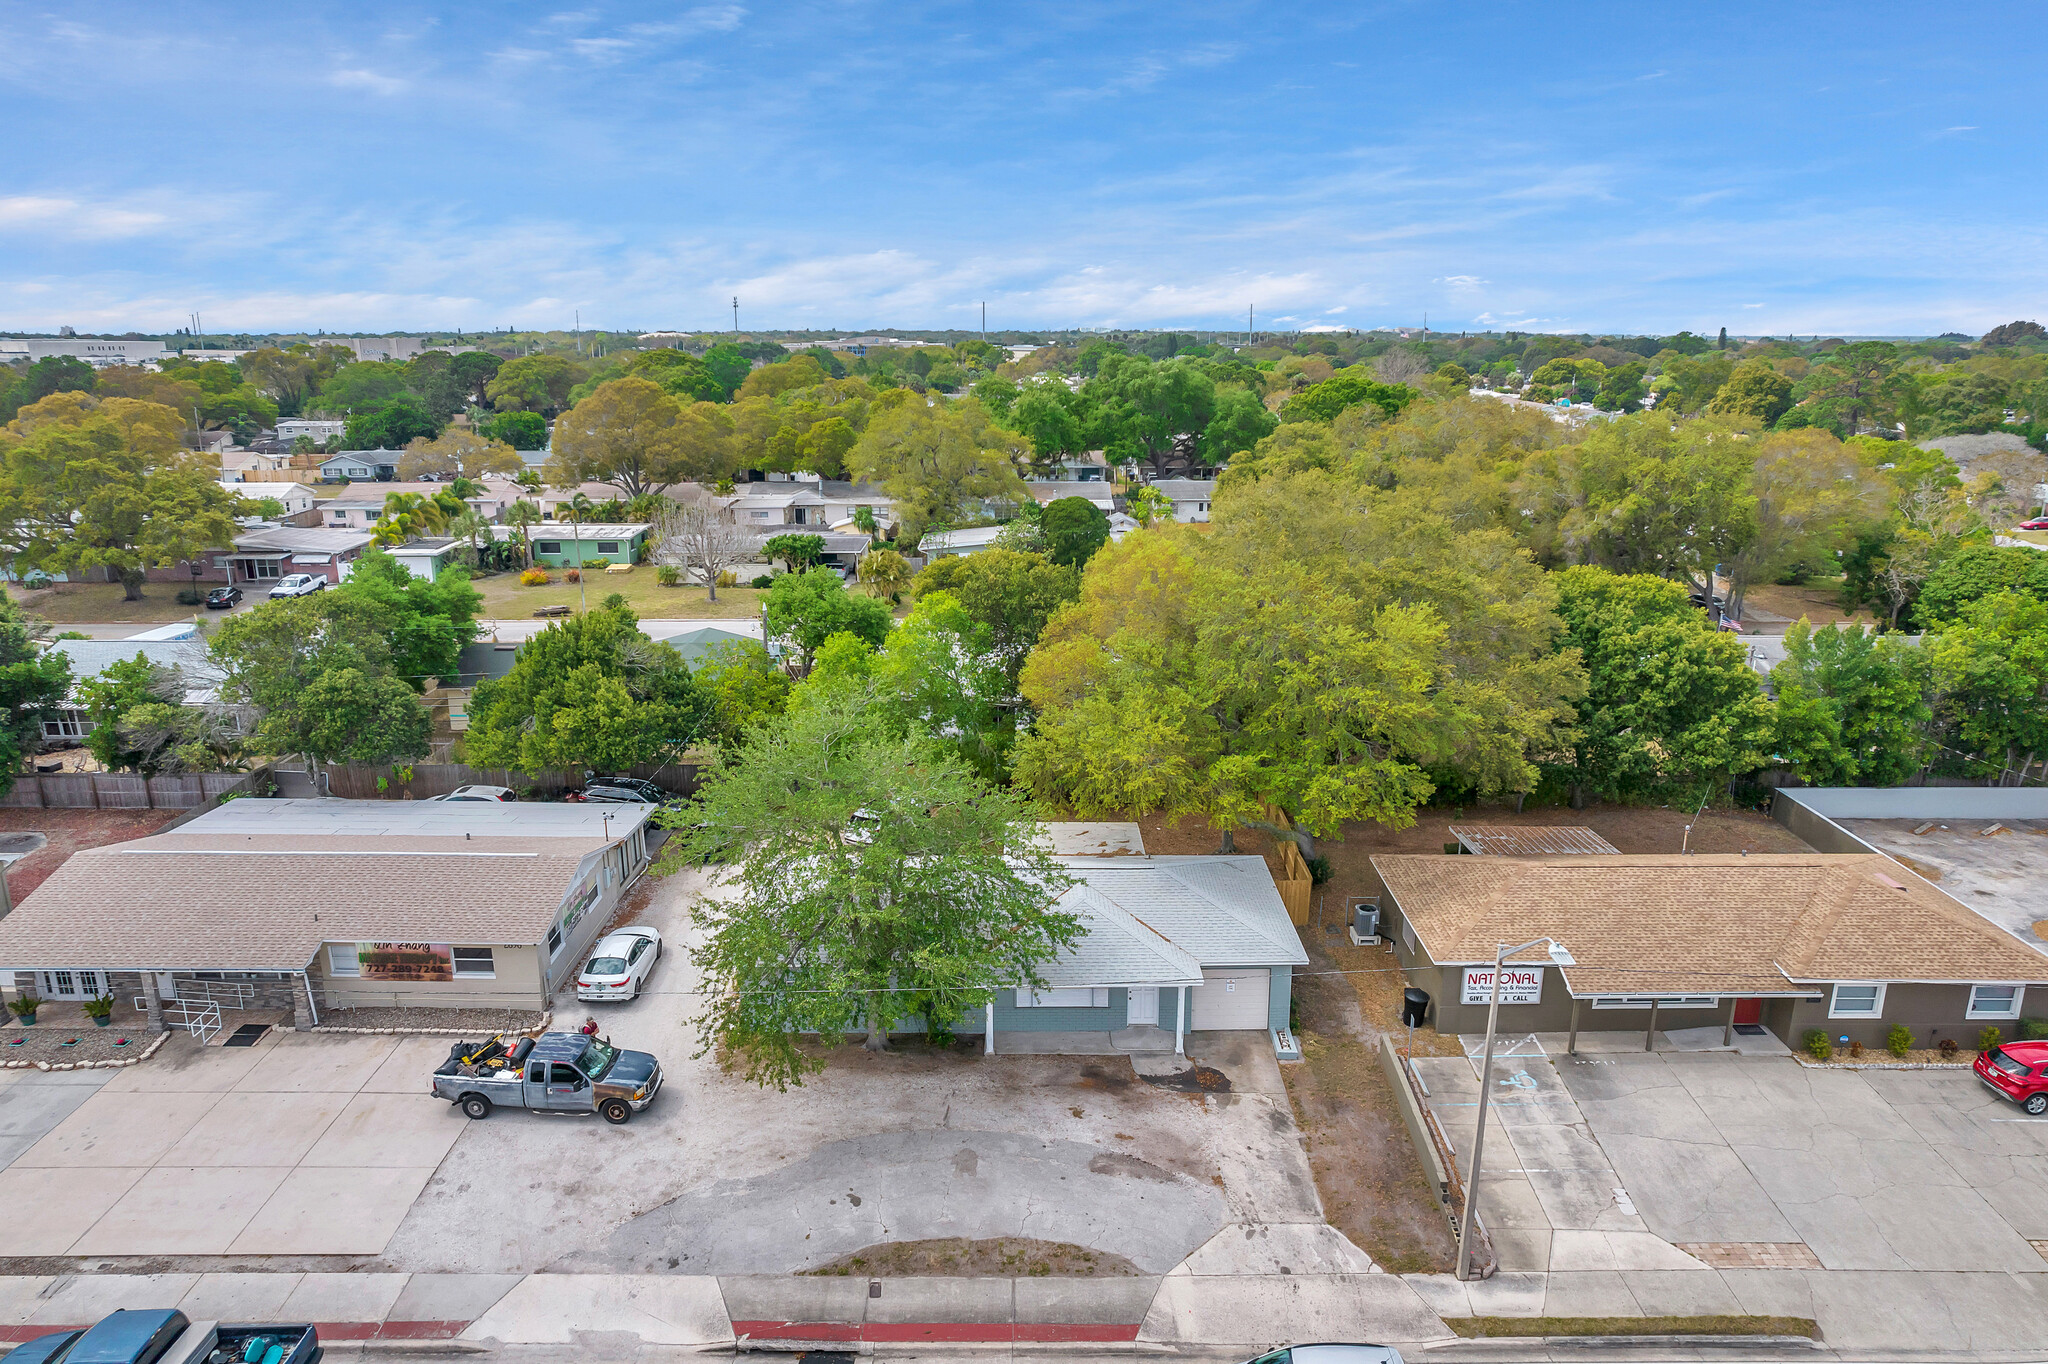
1082 998
475 961
1661 1001
1996 1001
342 959
1857 1000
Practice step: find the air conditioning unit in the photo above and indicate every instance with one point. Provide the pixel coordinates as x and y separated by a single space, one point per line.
1365 921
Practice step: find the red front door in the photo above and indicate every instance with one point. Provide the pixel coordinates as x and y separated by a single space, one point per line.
1749 1011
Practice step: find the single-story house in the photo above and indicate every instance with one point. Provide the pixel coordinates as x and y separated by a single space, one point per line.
943 544
263 556
425 558
809 501
1046 492
1191 496
358 466
561 544
1849 944
1170 945
198 679
317 904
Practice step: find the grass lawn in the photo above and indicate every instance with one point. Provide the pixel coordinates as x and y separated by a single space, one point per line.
104 603
1479 1328
505 599
2032 537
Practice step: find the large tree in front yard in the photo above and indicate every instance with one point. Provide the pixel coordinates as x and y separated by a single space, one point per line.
88 483
873 880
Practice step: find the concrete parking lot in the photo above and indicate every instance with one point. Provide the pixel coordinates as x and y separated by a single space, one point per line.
318 1145
299 1145
1617 1159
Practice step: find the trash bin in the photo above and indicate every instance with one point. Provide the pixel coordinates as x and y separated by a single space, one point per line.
1414 1006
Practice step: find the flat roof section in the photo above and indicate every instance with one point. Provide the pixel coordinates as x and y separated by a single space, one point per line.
1536 840
1997 874
587 826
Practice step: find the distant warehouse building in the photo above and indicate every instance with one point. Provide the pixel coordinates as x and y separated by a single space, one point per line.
318 904
94 351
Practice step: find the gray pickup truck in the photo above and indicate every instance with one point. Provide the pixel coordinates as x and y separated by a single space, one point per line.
560 1072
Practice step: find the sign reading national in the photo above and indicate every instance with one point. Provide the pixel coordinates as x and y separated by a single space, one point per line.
1518 985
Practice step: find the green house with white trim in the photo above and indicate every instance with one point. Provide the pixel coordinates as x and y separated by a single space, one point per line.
563 544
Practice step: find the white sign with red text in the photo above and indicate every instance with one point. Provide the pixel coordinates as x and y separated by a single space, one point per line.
1518 985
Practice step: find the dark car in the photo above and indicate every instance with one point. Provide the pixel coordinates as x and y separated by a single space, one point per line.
223 597
622 791
2017 1071
167 1336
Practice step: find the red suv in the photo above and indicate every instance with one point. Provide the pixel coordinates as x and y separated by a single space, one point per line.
2019 1071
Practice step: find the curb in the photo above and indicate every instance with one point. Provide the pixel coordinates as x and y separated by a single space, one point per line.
1812 1064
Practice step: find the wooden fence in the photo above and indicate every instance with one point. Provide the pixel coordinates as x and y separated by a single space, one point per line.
423 780
118 791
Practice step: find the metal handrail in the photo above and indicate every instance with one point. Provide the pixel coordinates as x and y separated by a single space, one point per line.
201 1020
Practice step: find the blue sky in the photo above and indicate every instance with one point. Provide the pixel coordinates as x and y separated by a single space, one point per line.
1843 169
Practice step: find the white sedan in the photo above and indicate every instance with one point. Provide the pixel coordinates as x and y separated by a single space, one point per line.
298 585
619 966
489 793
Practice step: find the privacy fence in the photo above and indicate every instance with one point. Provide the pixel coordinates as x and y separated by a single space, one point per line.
424 780
120 790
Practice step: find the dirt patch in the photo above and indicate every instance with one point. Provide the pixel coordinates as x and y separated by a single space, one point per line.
1372 1185
1819 602
62 1033
66 832
1482 1328
1196 1079
1115 1077
1000 1258
1113 1163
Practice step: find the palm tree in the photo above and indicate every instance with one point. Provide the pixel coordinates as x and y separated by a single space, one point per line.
524 515
579 507
471 526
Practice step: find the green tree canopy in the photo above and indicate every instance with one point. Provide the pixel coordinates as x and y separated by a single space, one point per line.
520 430
805 609
315 667
589 691
425 624
1670 702
1345 389
799 550
745 687
33 686
1014 594
533 383
939 463
1851 709
877 879
1074 528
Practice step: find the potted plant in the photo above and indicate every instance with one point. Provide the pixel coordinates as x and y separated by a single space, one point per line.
24 1008
100 1010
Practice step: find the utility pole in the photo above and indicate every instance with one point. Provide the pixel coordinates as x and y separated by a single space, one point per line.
1248 325
984 322
735 314
578 333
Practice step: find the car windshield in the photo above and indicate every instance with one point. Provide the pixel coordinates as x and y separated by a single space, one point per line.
606 966
2007 1064
597 1059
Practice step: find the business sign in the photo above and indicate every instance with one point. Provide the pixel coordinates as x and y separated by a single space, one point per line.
1518 985
405 961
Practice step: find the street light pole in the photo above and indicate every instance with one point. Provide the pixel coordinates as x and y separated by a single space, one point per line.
1471 1216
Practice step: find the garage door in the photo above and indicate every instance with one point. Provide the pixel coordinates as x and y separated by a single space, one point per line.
1232 999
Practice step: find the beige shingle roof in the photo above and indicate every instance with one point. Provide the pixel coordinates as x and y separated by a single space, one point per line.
146 906
1706 924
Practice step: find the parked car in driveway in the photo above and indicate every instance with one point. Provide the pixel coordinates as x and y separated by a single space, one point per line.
222 598
489 793
619 965
2018 1071
297 585
620 791
561 1072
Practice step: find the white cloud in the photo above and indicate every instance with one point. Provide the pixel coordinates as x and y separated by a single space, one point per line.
1340 308
1462 282
359 79
71 218
1752 305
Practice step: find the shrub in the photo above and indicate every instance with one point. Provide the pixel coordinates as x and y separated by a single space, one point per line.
728 578
2030 1029
1320 870
599 564
99 1006
35 578
614 601
1819 1045
1899 1040
572 575
534 577
1948 1049
191 596
21 1006
763 581
668 575
1989 1038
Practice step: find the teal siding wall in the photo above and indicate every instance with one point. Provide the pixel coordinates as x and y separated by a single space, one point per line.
627 551
1010 1018
1276 1000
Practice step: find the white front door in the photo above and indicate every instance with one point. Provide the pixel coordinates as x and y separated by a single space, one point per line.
1144 1005
72 984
